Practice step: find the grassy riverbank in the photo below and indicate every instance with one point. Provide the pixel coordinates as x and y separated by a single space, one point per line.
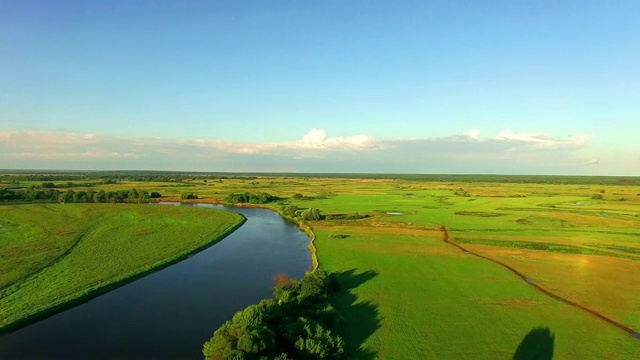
53 256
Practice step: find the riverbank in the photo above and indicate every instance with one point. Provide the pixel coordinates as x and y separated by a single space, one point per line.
85 233
304 227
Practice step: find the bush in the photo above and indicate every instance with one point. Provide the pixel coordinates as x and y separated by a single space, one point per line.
188 196
338 236
290 210
354 216
311 214
316 342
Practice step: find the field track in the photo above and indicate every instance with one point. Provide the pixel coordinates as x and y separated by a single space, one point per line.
635 334
53 261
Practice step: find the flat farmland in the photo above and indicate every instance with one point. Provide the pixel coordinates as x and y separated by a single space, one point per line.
423 297
406 293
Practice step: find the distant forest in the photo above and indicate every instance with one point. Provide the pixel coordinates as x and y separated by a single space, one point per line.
48 194
8 176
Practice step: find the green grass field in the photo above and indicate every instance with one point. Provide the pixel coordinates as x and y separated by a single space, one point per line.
427 299
407 294
411 296
53 255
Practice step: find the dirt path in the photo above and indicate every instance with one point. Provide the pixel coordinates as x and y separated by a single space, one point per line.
12 286
630 331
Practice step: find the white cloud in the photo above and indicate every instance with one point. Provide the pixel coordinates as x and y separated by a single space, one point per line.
509 152
542 140
317 138
527 136
472 134
75 155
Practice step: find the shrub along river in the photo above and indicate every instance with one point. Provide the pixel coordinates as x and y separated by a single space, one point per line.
171 313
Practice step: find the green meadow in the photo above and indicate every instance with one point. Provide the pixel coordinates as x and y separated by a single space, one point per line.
423 298
406 294
53 255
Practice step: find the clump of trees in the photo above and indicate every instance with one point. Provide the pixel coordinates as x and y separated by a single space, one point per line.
461 192
355 216
311 214
249 198
290 210
47 194
188 196
303 214
298 196
299 323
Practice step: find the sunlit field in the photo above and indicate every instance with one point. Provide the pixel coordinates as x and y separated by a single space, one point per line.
54 255
411 295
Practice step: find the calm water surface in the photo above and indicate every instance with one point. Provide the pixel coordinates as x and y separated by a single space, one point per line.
171 313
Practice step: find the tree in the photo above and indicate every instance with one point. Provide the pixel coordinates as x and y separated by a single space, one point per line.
314 286
245 336
90 194
290 210
281 279
133 194
317 342
311 214
66 196
79 197
100 197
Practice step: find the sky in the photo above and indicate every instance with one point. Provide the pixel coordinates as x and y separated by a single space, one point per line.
491 87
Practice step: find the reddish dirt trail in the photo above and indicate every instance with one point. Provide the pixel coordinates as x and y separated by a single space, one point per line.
529 281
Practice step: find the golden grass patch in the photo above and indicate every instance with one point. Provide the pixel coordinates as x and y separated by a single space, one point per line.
602 283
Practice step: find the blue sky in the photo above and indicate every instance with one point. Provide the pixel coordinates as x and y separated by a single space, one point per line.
421 87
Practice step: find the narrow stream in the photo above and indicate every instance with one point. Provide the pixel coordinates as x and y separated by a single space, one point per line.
171 313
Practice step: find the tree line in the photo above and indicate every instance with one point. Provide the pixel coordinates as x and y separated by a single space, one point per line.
249 198
33 194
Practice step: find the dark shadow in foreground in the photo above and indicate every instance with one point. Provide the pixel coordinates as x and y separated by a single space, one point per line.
536 345
361 317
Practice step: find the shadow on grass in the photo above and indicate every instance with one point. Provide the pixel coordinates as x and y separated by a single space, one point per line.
361 317
536 345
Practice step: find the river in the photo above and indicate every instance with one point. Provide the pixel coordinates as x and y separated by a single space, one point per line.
169 314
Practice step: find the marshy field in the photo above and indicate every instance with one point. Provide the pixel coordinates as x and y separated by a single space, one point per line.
444 267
